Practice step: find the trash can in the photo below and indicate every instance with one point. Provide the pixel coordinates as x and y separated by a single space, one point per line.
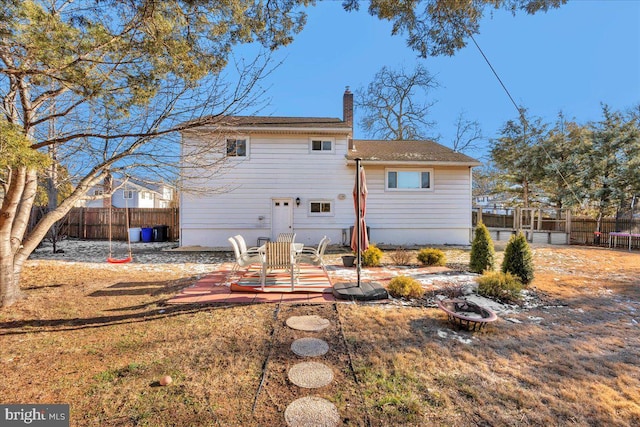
161 233
147 234
134 234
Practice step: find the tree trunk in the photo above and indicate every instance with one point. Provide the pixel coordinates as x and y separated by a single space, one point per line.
9 288
16 208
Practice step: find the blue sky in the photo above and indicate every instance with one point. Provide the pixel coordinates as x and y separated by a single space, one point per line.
570 59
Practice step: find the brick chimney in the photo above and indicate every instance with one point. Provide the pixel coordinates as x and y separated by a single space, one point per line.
347 107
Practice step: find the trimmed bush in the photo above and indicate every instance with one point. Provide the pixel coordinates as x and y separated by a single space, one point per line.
482 251
518 259
405 287
372 256
504 287
430 256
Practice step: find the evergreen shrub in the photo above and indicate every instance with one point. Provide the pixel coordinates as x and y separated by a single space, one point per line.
518 259
372 256
405 287
431 256
500 286
483 254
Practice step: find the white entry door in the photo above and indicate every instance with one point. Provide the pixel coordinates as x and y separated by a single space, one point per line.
282 214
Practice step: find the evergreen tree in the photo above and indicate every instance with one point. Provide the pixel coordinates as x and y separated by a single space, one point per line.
517 152
482 251
518 259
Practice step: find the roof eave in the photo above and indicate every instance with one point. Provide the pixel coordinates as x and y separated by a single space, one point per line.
273 130
415 163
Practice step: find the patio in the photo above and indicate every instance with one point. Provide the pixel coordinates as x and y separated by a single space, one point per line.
314 286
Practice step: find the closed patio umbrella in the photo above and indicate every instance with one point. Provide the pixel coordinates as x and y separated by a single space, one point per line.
359 239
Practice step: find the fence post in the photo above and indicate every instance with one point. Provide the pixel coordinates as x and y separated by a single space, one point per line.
539 219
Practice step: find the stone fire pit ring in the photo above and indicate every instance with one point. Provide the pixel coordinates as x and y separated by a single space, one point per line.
466 314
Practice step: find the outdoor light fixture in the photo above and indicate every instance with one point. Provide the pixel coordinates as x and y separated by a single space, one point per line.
297 201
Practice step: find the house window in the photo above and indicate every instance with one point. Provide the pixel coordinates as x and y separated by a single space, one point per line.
412 180
127 194
320 208
321 145
236 147
98 192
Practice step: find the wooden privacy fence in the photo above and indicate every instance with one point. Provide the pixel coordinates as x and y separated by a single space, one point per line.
585 230
93 223
581 230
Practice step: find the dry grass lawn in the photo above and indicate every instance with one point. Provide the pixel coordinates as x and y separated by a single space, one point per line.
99 338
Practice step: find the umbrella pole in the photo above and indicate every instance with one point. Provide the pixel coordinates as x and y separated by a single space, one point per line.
358 222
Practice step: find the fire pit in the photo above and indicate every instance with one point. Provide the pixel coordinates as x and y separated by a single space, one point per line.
466 314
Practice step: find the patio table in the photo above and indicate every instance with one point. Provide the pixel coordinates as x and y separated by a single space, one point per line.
614 236
297 247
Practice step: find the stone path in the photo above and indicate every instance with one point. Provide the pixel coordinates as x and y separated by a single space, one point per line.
308 378
311 410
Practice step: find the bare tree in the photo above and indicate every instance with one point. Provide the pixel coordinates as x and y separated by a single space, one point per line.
468 134
395 105
119 80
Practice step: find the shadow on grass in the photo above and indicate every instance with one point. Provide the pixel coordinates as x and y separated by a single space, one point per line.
144 288
56 325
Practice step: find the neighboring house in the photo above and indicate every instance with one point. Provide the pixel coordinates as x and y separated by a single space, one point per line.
133 195
295 174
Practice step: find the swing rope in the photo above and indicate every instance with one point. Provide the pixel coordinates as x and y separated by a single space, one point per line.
110 259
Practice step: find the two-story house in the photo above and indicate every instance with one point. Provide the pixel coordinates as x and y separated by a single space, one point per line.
296 174
133 195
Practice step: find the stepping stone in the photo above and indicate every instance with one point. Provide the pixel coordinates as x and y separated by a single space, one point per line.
307 323
310 375
309 347
312 411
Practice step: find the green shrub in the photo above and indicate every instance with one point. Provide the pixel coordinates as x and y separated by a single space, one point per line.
372 256
405 287
430 256
518 259
500 286
482 251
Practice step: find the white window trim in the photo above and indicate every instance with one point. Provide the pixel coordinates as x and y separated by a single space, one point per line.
331 204
322 138
248 146
125 192
386 179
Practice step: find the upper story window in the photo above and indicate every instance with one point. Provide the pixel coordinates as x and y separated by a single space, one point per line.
410 180
322 145
98 192
127 194
321 208
236 147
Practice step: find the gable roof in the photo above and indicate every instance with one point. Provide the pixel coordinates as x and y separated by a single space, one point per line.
424 152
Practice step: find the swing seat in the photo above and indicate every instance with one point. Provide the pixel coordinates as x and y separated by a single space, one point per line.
119 261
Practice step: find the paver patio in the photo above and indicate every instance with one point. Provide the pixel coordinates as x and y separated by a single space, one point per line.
216 287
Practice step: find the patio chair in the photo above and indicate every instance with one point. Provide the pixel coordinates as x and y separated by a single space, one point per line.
286 237
243 245
313 256
243 259
278 255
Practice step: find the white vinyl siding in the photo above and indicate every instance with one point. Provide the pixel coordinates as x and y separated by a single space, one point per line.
283 166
